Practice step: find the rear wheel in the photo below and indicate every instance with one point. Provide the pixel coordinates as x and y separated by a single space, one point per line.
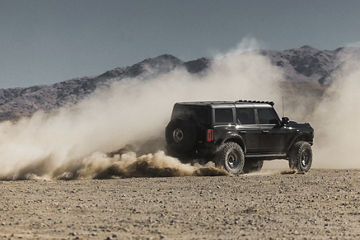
230 156
300 156
253 166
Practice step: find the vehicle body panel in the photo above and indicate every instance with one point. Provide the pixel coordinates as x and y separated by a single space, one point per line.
270 140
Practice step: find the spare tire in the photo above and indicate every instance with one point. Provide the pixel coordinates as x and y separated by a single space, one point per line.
181 135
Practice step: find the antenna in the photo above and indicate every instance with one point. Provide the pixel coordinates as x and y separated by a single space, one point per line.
283 107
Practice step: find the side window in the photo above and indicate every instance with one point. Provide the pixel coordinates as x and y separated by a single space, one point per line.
245 116
267 116
223 115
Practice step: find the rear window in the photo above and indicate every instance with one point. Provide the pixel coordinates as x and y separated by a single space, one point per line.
198 113
245 116
223 115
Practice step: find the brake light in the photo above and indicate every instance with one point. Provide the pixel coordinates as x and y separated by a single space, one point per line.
210 135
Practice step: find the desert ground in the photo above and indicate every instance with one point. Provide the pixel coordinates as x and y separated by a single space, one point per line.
322 204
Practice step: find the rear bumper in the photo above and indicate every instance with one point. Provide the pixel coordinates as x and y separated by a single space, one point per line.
206 149
202 150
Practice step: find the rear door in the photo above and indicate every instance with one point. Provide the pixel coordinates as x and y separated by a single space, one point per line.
223 121
247 127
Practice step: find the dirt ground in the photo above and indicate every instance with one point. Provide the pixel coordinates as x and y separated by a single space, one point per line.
269 205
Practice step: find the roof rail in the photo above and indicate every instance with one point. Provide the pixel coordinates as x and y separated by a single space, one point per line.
250 101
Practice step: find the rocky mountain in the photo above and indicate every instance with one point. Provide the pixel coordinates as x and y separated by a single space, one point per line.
305 64
18 102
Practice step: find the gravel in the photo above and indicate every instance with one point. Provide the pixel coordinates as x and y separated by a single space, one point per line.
269 205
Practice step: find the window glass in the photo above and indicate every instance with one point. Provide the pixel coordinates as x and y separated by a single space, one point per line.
245 116
223 115
267 116
199 114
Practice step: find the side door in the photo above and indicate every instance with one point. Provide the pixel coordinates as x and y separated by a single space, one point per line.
223 121
273 135
247 127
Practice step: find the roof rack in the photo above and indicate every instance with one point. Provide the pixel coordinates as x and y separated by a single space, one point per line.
250 101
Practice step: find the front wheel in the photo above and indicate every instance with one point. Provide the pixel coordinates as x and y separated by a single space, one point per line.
230 156
300 156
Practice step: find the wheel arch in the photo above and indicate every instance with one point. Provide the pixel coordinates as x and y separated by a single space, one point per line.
300 137
236 139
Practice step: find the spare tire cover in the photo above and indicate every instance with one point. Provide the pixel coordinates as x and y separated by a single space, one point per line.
181 135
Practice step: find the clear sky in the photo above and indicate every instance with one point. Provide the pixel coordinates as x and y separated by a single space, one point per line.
47 41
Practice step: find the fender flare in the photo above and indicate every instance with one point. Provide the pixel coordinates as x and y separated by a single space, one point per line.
300 137
237 139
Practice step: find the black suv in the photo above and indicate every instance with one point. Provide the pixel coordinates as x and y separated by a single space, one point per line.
238 135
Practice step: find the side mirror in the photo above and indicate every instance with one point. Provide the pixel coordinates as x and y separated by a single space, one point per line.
284 120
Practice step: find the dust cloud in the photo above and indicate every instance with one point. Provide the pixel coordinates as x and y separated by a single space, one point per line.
99 165
336 118
71 142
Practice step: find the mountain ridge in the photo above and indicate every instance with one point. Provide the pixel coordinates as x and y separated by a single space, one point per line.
304 64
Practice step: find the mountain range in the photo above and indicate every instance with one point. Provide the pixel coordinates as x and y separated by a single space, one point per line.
301 65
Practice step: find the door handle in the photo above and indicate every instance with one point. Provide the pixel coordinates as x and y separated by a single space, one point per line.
243 132
265 131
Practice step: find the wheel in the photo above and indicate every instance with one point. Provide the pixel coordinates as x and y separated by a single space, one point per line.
300 156
230 156
253 166
180 136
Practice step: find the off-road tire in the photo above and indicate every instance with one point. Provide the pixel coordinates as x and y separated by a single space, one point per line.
300 157
180 136
253 166
231 157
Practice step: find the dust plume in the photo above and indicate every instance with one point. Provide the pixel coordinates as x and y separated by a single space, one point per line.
100 165
128 111
337 116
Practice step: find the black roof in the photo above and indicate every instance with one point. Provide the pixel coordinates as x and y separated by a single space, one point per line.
207 103
250 101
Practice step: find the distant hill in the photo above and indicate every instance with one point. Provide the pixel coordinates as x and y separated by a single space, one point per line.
301 65
305 64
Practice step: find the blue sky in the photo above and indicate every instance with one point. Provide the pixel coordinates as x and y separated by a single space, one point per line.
47 41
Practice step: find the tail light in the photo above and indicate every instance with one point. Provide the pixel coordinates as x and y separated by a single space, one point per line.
210 135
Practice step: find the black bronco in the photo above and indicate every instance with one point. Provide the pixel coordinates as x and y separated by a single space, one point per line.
238 135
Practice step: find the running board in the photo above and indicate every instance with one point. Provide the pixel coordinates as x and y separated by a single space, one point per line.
276 155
